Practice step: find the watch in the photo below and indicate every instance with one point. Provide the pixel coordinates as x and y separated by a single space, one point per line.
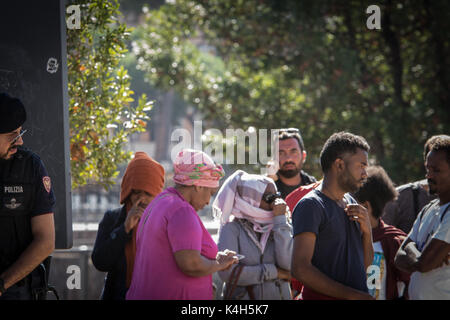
2 286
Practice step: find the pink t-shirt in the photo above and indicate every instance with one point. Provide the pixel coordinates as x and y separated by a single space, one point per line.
172 225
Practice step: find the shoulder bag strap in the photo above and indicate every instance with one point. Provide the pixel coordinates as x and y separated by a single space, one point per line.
250 292
426 208
415 193
445 212
232 281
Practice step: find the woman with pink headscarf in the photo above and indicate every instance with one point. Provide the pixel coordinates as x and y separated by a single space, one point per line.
260 232
175 254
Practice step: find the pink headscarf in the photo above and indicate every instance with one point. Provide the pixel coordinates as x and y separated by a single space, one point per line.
196 168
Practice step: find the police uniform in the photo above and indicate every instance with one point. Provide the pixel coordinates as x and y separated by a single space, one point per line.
26 192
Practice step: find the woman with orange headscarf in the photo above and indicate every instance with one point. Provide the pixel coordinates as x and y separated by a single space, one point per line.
115 246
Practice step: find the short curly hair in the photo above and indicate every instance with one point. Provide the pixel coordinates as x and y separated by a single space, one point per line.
338 144
442 144
378 190
429 144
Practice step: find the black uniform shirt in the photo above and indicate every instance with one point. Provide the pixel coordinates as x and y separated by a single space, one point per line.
42 192
44 199
26 193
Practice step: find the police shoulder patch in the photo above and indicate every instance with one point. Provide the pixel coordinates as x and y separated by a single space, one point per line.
47 183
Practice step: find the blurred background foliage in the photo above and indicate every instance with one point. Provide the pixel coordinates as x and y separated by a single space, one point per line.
265 64
102 110
308 64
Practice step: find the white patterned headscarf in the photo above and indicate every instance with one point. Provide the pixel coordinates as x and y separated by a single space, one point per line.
240 196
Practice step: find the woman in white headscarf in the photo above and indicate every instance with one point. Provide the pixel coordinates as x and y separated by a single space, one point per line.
260 232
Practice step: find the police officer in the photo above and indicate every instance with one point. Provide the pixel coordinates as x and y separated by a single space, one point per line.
27 232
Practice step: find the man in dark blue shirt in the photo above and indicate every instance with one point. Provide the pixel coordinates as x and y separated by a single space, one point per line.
332 233
27 232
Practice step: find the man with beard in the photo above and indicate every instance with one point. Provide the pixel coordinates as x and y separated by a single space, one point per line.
27 232
426 251
292 155
332 233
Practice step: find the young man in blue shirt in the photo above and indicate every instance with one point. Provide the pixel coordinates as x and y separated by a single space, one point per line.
332 233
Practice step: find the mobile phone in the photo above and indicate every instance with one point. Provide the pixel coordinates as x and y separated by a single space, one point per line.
239 256
353 205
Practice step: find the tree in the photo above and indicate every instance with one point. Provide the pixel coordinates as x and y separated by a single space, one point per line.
102 113
310 64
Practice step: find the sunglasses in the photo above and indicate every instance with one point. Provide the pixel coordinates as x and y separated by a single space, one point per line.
289 130
17 137
270 197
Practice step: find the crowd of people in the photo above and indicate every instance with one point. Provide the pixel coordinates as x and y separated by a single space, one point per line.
350 235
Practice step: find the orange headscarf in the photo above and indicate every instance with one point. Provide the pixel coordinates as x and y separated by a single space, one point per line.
142 173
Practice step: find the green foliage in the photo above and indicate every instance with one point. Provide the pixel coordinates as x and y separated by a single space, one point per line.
309 64
102 113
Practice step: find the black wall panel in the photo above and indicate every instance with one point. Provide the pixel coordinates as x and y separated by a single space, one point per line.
33 67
